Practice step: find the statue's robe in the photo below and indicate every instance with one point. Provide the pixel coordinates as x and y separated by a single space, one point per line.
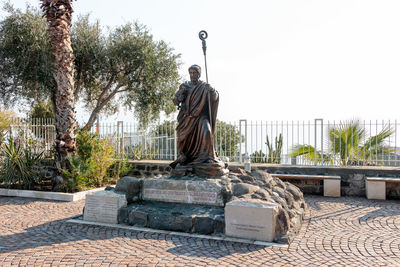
194 131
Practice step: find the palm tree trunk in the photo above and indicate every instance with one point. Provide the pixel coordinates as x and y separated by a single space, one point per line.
58 15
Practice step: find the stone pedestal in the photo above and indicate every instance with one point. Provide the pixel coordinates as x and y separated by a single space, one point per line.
251 219
376 189
103 206
262 207
332 187
205 192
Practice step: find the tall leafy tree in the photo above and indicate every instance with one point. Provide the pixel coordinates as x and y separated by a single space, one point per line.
123 67
349 144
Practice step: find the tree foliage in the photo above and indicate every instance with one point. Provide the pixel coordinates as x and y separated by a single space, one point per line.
166 128
42 109
227 138
6 117
124 66
26 61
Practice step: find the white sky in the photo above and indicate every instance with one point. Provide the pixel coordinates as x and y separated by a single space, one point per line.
278 60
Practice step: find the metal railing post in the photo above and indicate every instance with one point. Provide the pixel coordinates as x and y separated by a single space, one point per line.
97 124
122 140
315 140
240 139
119 144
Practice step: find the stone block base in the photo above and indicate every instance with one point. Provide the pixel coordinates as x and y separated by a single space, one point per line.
376 190
174 217
251 219
332 187
103 206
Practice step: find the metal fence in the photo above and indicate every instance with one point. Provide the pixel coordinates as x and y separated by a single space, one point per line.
38 133
320 142
316 142
156 142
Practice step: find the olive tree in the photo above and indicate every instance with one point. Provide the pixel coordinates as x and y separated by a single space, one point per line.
124 66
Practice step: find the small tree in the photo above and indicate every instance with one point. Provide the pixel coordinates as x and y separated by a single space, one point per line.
227 139
125 67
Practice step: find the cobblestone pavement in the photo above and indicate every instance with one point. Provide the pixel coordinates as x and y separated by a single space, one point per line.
344 231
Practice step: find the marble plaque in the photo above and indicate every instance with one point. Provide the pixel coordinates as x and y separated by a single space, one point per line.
181 196
183 191
251 219
103 207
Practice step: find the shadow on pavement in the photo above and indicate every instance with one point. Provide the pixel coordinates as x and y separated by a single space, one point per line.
372 209
213 248
15 237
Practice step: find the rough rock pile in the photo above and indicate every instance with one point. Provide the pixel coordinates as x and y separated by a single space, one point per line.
261 185
240 184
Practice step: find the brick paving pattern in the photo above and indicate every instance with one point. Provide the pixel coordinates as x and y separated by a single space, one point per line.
336 232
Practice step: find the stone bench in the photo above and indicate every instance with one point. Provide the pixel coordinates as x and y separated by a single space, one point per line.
331 183
376 186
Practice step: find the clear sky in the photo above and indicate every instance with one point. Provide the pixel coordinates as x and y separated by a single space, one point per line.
278 60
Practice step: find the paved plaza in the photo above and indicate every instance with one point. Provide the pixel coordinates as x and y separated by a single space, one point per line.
343 231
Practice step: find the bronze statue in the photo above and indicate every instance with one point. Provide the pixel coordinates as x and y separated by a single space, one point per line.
198 104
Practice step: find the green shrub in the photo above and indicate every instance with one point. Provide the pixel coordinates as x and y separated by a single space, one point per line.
78 178
119 168
258 157
20 164
90 163
86 143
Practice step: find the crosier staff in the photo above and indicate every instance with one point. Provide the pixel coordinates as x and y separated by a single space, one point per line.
203 36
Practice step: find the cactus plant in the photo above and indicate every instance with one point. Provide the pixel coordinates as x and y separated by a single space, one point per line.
274 156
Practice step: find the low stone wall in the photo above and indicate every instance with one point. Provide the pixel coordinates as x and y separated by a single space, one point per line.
148 169
352 178
352 183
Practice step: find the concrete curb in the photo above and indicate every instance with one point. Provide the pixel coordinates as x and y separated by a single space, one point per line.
47 195
210 237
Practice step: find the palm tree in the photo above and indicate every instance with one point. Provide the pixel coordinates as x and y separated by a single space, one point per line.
348 144
58 14
311 154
